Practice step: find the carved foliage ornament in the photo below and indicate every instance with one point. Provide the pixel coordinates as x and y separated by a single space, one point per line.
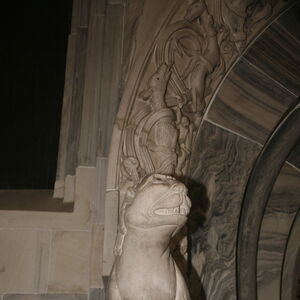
189 60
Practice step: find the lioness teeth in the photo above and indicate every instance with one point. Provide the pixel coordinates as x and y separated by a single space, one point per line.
183 210
172 211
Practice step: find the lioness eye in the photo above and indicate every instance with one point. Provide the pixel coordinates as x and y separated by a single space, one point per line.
157 180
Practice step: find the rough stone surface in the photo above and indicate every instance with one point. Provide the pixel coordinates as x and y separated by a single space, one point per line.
276 52
279 215
290 21
220 168
111 80
291 271
250 103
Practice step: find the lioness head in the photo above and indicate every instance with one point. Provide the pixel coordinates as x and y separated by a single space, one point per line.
159 200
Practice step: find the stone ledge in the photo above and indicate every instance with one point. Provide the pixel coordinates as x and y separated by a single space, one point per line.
45 297
79 219
32 200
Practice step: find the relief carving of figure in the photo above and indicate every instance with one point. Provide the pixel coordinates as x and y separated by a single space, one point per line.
130 171
185 140
157 86
237 16
158 134
191 57
144 267
205 61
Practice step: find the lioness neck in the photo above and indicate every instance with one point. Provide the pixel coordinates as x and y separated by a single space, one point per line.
154 240
145 269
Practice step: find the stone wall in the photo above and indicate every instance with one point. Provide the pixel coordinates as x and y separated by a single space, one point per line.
231 110
239 125
53 253
58 255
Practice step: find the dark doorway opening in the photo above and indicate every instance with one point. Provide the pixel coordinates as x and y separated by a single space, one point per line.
33 58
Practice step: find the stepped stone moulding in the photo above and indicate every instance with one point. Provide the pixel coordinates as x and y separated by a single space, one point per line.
144 269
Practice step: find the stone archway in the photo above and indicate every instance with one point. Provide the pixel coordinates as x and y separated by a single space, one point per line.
259 187
175 70
241 118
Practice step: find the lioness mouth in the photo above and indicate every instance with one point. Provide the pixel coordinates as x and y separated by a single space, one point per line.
179 210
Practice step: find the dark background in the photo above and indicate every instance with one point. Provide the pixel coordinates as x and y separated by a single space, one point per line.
33 50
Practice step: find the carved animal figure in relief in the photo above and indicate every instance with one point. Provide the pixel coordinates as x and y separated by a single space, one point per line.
157 87
144 268
239 17
204 63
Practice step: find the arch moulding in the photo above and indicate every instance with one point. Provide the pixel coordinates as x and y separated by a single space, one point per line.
181 53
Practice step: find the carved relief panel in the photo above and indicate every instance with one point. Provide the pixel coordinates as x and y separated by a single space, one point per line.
172 76
183 69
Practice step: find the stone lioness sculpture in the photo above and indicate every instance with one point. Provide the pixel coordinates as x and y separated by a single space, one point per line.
144 268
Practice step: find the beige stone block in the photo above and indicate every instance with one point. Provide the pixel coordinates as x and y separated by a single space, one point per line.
96 257
113 159
112 81
59 189
24 256
88 143
69 263
69 189
66 115
86 190
79 219
101 189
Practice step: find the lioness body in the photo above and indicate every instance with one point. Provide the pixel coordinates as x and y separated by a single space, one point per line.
145 270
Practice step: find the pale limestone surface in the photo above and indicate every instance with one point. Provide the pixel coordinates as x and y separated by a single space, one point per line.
69 268
23 260
70 261
95 263
80 218
144 268
110 234
72 99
